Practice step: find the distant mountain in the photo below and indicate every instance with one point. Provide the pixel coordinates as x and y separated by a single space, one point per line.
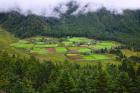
102 24
22 26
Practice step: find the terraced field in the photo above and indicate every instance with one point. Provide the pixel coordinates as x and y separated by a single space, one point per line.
74 48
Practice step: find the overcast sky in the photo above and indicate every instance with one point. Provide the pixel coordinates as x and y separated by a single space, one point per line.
46 7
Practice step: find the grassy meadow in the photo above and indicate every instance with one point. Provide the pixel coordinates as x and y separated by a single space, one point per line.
73 49
7 40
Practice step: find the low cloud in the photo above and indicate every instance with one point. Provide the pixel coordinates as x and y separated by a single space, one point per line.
47 7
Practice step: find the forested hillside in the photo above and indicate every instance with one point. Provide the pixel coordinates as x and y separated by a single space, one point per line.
22 26
30 76
101 24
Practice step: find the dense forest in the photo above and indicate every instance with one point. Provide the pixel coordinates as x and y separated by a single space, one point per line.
102 24
22 75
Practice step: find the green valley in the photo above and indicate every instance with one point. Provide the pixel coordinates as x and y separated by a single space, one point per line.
76 49
69 46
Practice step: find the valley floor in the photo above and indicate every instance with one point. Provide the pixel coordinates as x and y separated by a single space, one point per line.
73 49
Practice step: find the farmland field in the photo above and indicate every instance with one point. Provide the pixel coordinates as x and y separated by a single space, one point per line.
105 44
22 45
74 48
129 53
61 49
45 45
38 51
96 57
67 43
80 40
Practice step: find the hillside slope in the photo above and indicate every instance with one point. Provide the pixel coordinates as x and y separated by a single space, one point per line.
6 39
101 25
22 26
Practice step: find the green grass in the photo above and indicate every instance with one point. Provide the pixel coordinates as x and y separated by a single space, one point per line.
80 49
104 44
46 45
6 38
129 53
61 49
38 38
23 41
79 39
84 50
95 57
39 51
67 43
72 54
56 58
40 43
22 45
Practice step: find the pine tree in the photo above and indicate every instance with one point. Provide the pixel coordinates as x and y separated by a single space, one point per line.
123 82
101 83
64 83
